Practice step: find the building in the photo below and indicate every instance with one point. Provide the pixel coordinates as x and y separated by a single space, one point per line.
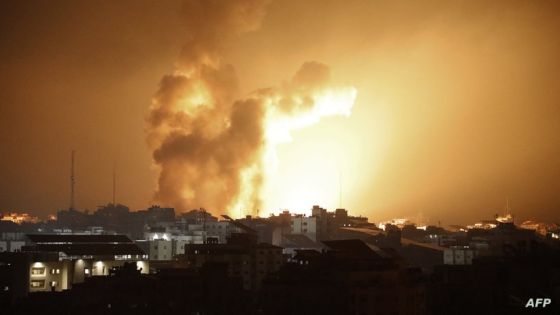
161 249
245 258
11 240
350 277
304 225
293 243
458 255
56 262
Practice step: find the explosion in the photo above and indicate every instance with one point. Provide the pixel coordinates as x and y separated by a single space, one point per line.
212 149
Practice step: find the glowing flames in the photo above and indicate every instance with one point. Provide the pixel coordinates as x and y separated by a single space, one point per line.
19 218
212 149
328 102
195 134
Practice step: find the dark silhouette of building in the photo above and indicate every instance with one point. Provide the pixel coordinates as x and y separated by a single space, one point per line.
350 277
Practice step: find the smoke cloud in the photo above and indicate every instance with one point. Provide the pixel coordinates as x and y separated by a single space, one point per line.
211 149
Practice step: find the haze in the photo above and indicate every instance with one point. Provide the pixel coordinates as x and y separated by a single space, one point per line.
457 107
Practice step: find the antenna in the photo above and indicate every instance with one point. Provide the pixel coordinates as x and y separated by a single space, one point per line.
114 183
340 189
203 223
72 182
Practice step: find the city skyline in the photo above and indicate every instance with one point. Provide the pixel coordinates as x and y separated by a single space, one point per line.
455 111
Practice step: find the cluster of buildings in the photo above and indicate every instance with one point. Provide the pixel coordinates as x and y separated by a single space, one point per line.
63 252
328 262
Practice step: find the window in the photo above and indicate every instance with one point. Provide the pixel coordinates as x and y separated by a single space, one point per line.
53 284
86 271
37 271
36 284
55 271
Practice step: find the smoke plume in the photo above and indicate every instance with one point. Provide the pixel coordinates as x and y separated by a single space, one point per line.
211 149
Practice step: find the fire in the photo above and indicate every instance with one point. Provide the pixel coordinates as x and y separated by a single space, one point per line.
19 218
213 149
278 130
328 102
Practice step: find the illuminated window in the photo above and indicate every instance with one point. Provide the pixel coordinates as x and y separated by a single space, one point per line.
86 271
37 271
53 284
37 284
55 271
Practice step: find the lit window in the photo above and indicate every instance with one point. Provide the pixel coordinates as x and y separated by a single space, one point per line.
37 271
38 284
86 271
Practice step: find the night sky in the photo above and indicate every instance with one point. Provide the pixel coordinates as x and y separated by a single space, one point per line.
457 106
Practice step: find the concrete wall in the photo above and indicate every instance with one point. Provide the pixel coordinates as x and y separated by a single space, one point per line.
458 256
44 275
161 250
67 272
305 225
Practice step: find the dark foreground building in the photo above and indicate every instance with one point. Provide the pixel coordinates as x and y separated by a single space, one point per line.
350 277
207 290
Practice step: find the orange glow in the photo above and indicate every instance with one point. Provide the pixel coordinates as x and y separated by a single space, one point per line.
314 185
456 106
19 218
